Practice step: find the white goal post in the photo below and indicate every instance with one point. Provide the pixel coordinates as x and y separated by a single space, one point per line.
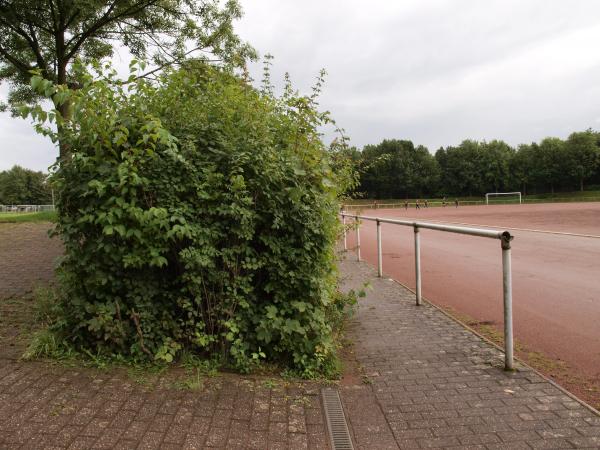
487 196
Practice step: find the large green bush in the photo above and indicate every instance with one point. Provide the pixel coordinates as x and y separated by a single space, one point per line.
198 214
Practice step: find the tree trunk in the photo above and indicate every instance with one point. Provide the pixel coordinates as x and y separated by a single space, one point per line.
64 109
61 80
581 184
65 112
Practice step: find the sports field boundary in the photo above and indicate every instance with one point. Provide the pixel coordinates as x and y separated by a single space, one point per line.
439 203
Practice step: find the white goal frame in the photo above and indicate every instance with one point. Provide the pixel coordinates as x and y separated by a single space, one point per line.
487 196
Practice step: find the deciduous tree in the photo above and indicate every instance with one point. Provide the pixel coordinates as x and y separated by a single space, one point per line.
48 35
550 163
583 153
19 186
396 169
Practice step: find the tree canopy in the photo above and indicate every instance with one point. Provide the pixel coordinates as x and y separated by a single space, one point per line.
48 36
19 186
399 169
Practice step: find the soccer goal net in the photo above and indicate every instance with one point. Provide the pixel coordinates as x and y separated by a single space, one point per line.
500 194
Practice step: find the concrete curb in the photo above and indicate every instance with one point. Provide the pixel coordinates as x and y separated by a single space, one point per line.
485 339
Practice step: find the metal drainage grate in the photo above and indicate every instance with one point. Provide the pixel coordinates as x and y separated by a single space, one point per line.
336 422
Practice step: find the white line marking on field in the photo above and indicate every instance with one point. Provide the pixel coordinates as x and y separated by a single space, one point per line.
511 228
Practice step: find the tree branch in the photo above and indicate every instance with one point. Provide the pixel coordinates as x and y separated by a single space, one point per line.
171 63
35 46
23 67
32 42
105 20
53 14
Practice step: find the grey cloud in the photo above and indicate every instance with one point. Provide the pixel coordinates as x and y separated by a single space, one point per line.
441 71
434 71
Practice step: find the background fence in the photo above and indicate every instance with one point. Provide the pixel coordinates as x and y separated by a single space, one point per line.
450 203
25 208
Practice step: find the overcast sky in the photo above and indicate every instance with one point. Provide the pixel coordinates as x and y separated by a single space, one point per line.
433 71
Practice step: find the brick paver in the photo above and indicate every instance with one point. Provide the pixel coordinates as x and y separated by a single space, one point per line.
44 406
430 383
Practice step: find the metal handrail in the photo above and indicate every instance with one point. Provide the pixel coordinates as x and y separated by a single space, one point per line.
504 236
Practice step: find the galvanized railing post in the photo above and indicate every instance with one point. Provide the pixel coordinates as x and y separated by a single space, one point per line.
507 291
379 252
417 265
345 234
505 239
357 223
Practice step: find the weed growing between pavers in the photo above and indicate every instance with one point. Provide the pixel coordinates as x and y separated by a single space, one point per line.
199 215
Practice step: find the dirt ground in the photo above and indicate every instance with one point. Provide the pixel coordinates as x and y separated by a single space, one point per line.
27 260
27 257
50 404
556 287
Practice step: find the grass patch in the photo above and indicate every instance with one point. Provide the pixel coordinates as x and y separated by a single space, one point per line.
21 318
193 382
575 196
270 384
44 216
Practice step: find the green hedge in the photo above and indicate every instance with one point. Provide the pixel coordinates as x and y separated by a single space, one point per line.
198 214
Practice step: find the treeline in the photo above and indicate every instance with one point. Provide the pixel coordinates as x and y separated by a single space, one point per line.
399 169
19 186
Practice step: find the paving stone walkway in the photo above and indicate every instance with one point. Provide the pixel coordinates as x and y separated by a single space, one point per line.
48 407
432 383
426 382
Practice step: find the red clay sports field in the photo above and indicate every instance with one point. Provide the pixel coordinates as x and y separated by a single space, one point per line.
555 266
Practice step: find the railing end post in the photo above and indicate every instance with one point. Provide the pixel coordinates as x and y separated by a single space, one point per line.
417 265
505 239
357 223
379 250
